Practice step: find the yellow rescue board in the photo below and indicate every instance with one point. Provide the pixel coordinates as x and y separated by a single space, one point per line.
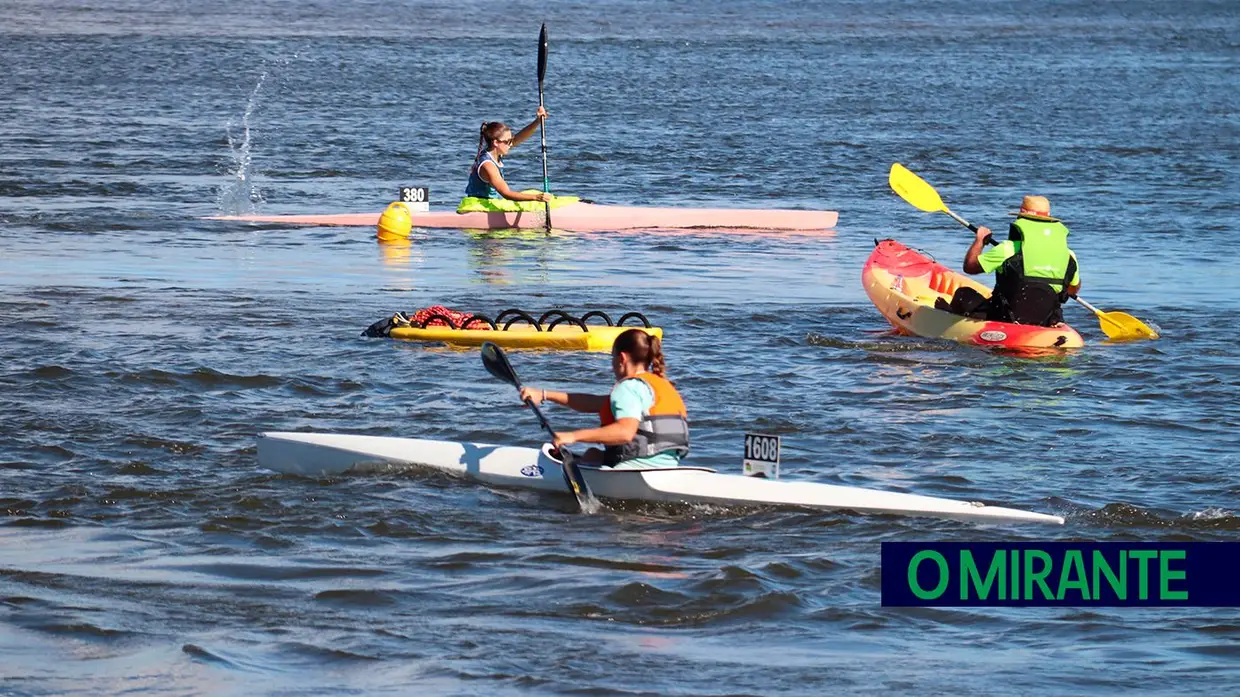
562 337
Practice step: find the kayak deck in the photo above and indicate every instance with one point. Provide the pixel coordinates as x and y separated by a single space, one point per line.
582 217
323 454
904 284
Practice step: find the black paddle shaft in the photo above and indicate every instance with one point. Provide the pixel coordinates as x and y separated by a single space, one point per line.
497 364
542 126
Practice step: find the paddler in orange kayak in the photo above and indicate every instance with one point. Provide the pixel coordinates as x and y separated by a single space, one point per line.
1035 271
643 423
486 178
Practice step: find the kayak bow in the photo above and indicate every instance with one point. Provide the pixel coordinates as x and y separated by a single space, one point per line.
324 454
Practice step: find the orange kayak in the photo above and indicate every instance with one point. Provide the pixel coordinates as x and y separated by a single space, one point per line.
904 283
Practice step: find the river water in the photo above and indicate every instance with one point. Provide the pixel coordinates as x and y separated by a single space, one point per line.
143 551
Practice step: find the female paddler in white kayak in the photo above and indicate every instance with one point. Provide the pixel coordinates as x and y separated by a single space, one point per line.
643 423
487 191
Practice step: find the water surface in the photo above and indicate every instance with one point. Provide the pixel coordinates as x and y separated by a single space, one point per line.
143 551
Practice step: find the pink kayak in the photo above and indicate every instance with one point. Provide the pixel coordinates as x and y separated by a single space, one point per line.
903 284
584 217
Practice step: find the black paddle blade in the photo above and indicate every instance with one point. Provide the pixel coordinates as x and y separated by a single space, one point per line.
542 53
576 481
496 363
572 474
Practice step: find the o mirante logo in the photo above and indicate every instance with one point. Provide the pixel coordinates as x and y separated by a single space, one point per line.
1060 574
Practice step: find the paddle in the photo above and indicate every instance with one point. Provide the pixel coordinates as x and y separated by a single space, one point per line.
1118 326
497 364
542 126
916 191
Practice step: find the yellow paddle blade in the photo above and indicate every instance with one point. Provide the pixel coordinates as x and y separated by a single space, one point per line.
914 189
1120 326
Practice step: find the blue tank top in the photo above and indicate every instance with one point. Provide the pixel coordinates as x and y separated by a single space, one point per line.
477 186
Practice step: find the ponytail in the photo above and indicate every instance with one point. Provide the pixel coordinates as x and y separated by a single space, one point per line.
656 365
643 348
482 140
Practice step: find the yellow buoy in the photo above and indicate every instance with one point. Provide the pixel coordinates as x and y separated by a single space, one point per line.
395 223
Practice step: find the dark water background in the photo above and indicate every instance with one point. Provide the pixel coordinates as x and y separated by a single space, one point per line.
142 551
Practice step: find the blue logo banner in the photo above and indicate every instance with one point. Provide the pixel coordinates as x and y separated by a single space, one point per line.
1063 574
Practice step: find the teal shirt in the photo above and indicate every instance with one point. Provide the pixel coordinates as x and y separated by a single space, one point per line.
632 399
477 186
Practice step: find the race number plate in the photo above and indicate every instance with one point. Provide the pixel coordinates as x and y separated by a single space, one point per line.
761 456
417 198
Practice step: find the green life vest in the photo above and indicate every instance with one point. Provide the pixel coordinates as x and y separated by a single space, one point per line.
1043 250
1032 284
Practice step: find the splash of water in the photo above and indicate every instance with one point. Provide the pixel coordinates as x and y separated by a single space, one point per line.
240 193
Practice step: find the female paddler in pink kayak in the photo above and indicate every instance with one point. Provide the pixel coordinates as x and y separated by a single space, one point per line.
643 423
486 179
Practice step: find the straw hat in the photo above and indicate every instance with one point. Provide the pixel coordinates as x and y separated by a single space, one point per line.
1035 208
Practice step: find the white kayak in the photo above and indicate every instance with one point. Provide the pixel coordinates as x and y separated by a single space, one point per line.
322 454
